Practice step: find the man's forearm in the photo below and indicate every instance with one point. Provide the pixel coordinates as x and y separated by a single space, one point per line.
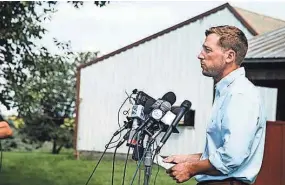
194 157
198 154
205 167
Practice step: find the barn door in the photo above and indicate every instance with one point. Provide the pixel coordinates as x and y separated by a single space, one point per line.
273 165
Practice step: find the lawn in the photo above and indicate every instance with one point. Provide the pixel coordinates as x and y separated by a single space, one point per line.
46 169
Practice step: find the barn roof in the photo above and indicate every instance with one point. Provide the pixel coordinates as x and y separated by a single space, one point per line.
268 46
191 20
260 23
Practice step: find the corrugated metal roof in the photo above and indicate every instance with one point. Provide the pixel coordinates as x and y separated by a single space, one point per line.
257 21
268 45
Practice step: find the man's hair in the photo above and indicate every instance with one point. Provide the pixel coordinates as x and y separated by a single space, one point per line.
231 38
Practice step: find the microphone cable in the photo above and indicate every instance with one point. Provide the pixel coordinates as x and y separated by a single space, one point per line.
155 155
114 155
110 142
126 162
129 97
113 164
142 159
106 147
125 166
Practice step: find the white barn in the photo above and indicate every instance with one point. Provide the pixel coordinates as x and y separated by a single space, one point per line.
165 61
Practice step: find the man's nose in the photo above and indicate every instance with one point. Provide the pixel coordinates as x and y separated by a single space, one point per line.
200 56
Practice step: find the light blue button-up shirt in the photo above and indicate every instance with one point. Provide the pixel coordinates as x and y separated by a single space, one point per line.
236 132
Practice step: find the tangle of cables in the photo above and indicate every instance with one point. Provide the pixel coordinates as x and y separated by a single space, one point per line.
146 120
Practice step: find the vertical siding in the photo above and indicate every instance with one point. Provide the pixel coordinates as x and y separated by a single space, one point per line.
269 96
167 63
273 164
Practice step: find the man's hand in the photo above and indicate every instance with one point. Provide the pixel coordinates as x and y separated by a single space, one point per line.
5 130
182 172
182 158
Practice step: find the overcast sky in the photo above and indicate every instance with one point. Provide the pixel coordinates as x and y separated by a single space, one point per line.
121 23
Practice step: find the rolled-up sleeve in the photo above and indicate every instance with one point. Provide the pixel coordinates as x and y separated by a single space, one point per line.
238 127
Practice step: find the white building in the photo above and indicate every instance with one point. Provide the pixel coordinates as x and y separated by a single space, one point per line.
165 61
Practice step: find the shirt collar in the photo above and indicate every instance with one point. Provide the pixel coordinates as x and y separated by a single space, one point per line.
227 80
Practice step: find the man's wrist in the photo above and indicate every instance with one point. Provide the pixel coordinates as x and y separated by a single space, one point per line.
204 167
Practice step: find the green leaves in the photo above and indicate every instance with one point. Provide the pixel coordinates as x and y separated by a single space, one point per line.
20 27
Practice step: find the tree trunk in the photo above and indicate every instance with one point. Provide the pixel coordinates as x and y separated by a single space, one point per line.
56 150
54 147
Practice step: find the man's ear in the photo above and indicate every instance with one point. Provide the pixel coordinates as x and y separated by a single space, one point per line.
230 56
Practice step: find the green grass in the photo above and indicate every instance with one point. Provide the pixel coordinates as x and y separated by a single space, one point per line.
46 169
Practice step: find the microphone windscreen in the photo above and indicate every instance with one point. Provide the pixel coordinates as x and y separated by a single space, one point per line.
169 97
147 107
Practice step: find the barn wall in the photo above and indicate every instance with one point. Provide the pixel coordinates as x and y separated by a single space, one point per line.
167 63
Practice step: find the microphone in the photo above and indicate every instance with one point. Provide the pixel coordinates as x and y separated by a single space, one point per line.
125 137
152 110
168 97
137 115
158 110
142 98
184 108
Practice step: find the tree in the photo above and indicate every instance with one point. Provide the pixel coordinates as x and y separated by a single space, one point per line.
20 28
40 85
47 102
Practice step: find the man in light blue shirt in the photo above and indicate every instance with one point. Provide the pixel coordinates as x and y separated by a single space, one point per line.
235 134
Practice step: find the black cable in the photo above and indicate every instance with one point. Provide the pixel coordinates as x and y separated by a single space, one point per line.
111 142
139 178
126 162
157 166
138 152
116 147
99 161
142 159
125 167
128 98
113 164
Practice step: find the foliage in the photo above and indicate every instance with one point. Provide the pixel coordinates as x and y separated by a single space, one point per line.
39 84
47 102
20 29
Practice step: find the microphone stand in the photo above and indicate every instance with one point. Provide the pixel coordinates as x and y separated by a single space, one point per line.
148 157
148 162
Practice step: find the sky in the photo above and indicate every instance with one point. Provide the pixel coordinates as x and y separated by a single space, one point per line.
118 24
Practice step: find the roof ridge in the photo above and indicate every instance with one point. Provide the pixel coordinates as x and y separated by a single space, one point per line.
172 28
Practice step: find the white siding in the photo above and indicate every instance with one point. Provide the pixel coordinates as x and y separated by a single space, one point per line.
269 96
167 63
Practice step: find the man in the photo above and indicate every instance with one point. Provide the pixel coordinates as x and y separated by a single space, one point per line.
5 130
235 134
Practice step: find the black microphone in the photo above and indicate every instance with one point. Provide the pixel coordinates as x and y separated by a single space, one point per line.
168 97
142 97
125 137
184 108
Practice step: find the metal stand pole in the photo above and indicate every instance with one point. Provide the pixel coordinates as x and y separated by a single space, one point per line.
148 162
